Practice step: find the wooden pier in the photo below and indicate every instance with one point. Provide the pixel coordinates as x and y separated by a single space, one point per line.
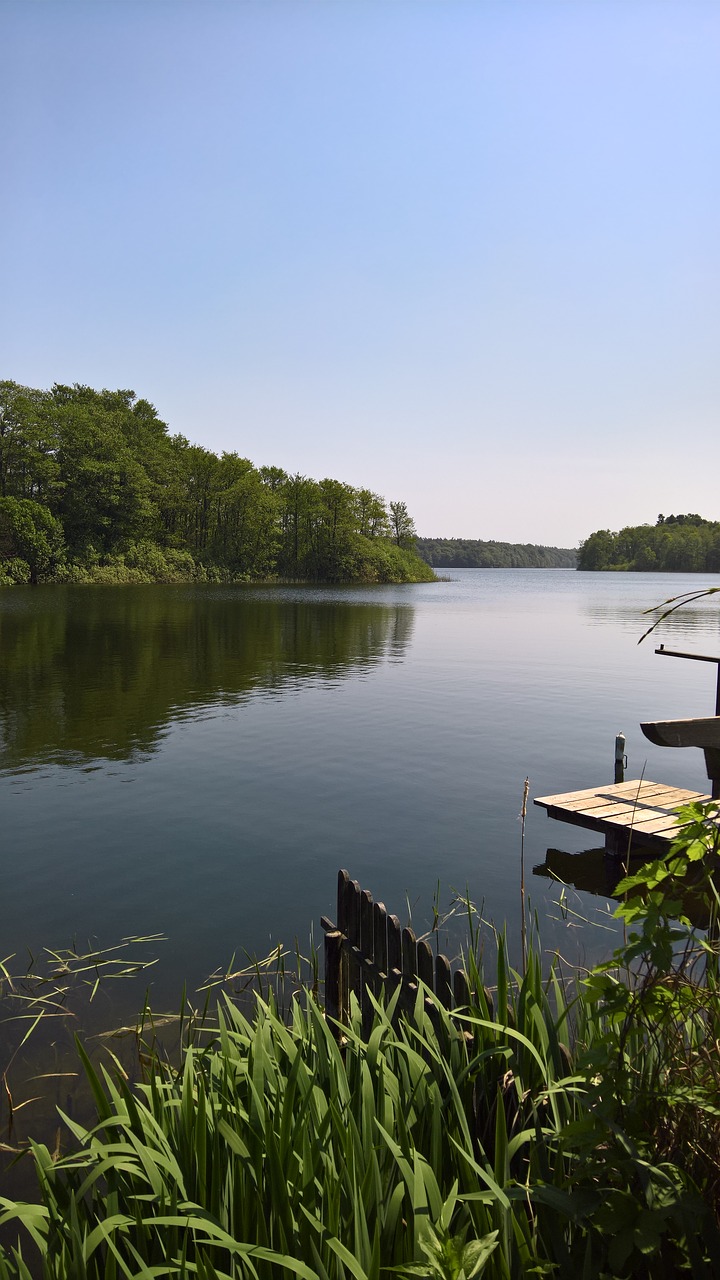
633 816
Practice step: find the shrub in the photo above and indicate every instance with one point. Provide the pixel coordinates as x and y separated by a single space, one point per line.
379 560
14 572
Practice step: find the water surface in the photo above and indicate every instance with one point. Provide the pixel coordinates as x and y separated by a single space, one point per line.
199 761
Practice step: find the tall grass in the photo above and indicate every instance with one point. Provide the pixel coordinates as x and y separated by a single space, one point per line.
272 1148
549 1129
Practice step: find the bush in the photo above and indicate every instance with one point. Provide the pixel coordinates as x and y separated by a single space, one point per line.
30 534
14 572
379 560
73 574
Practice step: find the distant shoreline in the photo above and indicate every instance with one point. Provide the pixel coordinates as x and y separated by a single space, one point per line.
473 553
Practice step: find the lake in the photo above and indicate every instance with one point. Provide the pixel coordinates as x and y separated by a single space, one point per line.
200 761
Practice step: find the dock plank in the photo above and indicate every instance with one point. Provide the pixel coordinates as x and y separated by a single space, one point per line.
642 809
609 808
620 790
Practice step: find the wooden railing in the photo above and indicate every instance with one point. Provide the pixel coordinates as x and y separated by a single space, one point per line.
368 950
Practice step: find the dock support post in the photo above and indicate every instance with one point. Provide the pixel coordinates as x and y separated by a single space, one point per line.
616 844
620 758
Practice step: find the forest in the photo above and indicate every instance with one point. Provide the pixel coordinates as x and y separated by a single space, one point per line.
93 487
470 553
674 544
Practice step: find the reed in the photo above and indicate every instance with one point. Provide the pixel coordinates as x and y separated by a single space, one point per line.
523 918
560 1125
271 1149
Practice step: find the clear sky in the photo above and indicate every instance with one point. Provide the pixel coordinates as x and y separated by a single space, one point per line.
464 253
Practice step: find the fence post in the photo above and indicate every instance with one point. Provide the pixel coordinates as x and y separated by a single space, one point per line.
344 890
394 957
443 981
367 952
409 968
355 975
461 990
333 961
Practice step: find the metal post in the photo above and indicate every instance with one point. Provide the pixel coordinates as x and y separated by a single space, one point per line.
700 657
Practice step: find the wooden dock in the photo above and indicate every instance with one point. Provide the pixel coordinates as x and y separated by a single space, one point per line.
628 814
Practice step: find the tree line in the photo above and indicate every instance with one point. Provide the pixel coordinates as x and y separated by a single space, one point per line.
94 487
470 553
674 544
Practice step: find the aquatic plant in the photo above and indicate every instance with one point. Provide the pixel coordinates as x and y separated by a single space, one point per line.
564 1125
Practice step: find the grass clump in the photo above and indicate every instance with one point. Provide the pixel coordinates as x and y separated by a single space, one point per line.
547 1129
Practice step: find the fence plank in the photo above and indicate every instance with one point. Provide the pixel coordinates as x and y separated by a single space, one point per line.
461 991
342 901
425 964
367 928
346 893
409 954
367 949
409 968
353 929
394 955
443 981
394 944
333 959
380 942
355 982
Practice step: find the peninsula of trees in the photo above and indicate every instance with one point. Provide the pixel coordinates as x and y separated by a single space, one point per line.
469 553
674 544
94 488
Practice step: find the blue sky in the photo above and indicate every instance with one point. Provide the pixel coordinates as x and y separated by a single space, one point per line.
466 254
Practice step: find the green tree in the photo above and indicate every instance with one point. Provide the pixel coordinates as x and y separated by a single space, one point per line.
273 477
29 532
102 493
245 526
371 514
402 525
597 551
334 532
679 544
28 466
131 497
198 482
300 512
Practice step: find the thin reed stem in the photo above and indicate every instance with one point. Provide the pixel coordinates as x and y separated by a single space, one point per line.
523 934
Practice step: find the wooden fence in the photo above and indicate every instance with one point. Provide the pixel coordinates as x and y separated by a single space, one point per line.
368 950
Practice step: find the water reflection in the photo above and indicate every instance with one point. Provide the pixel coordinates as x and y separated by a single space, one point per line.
94 673
594 872
591 871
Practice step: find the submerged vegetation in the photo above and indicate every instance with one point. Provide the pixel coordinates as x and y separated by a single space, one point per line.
558 1126
93 488
674 544
470 553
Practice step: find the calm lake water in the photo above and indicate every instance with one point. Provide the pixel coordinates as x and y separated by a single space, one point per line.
200 761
